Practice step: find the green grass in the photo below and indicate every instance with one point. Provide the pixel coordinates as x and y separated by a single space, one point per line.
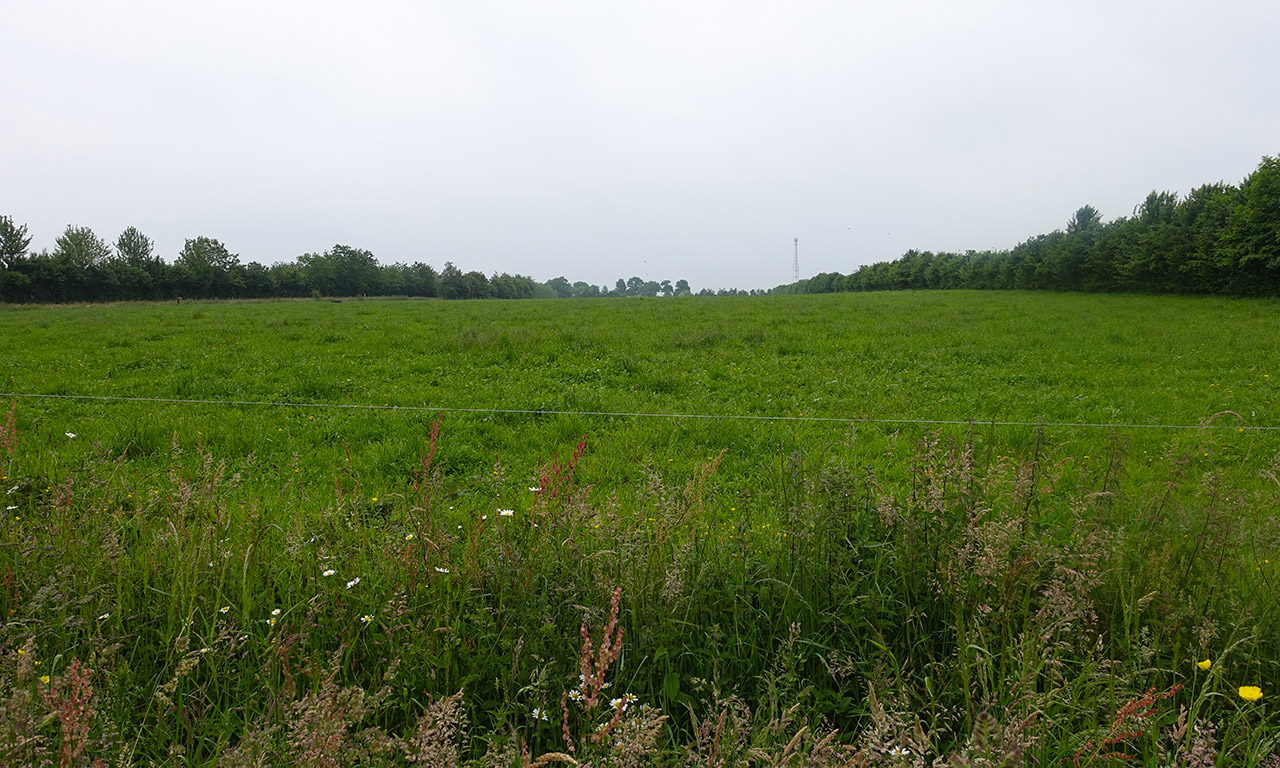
963 356
990 566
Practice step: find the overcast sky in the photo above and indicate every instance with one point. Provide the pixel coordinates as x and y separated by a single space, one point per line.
600 139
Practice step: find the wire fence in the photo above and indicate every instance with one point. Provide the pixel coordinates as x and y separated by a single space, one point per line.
650 415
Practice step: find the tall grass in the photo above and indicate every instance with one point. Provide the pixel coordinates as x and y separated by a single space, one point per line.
976 607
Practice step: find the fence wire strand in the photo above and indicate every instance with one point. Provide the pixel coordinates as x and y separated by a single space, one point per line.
642 414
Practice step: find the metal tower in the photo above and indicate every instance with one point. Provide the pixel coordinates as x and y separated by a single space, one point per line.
795 263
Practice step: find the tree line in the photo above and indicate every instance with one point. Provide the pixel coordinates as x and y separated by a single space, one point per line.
83 267
1219 239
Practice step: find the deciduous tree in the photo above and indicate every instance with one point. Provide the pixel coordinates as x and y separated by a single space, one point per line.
80 248
14 241
207 265
135 248
1085 218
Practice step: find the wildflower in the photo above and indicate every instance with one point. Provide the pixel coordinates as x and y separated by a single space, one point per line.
276 612
375 498
44 679
506 512
206 649
271 622
1250 692
353 582
899 752
224 609
71 434
11 490
630 698
539 714
575 694
104 617
329 572
618 703
408 537
1204 664
533 488
441 570
365 619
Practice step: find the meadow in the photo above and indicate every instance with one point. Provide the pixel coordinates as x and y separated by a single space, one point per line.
916 528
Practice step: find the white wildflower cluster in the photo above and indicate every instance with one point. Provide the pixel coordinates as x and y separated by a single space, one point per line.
623 701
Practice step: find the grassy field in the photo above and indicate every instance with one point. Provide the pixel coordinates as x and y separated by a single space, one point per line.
853 529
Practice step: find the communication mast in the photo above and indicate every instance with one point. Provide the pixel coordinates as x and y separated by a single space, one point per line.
795 263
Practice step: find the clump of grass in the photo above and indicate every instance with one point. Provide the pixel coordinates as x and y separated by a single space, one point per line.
439 737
